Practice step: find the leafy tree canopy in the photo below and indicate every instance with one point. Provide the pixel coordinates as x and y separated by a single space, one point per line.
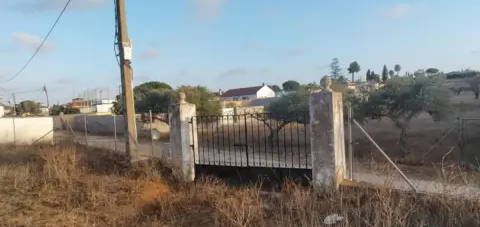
291 107
403 98
353 68
432 71
205 101
290 85
57 109
275 88
29 107
336 70
385 73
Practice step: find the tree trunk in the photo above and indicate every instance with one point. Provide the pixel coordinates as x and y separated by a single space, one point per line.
353 77
476 94
403 141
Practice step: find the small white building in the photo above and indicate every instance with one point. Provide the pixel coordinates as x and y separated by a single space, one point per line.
2 111
104 106
248 93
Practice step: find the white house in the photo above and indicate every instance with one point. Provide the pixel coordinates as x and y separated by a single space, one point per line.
2 111
248 93
104 106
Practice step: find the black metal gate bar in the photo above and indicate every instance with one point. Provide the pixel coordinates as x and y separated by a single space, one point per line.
252 140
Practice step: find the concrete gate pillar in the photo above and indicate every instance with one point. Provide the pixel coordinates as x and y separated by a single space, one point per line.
327 137
182 137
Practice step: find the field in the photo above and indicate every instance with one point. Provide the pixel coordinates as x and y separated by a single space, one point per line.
71 185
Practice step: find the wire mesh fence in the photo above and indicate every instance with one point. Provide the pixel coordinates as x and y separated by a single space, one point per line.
432 160
107 132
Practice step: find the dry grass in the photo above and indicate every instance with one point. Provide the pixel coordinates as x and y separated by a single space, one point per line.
69 185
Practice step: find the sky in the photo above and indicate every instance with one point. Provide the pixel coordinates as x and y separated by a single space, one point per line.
223 44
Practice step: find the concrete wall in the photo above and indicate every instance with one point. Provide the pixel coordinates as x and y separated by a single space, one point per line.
101 125
26 131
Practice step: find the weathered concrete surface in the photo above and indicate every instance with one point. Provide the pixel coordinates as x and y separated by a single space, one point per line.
27 130
181 139
327 138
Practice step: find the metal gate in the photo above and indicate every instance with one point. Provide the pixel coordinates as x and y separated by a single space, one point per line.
253 140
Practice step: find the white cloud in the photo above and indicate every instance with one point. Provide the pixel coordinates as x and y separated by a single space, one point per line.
206 10
149 54
399 10
46 5
31 42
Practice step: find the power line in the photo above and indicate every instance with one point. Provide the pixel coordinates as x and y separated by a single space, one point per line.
41 44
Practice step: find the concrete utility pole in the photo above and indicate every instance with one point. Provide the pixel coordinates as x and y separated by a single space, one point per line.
124 47
46 94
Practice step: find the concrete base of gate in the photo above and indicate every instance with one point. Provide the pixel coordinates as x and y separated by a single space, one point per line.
327 139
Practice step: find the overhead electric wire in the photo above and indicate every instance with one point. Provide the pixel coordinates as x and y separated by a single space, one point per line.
41 44
116 34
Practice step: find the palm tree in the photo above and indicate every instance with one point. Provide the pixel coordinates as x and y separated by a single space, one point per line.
397 68
354 68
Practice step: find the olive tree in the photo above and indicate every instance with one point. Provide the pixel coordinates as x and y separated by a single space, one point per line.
404 98
292 107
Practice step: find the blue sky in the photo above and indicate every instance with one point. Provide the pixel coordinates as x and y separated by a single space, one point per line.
230 43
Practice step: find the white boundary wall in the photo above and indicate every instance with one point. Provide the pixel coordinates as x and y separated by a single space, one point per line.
27 130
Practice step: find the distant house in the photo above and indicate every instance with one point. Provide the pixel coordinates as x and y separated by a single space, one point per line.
44 109
85 106
248 93
104 106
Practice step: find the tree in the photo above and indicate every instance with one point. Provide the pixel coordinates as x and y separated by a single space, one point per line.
474 83
290 85
28 107
312 87
155 96
432 71
275 88
354 68
156 101
375 77
57 109
205 101
397 69
336 71
369 76
391 73
384 73
403 98
292 107
146 87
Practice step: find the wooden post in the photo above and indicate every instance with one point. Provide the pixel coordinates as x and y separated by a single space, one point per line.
124 47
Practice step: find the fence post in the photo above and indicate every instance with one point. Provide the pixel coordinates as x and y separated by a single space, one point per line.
85 128
350 142
14 132
151 133
114 133
183 139
327 137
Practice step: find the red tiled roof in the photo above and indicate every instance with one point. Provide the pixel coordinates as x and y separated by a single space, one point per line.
241 91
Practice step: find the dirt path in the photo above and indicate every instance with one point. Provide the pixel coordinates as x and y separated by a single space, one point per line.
395 181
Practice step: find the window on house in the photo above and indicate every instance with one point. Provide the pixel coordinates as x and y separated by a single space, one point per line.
244 98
